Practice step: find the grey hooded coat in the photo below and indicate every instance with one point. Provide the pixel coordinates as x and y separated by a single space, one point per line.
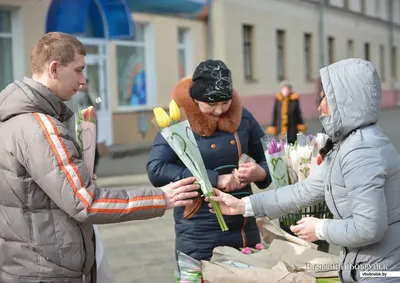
359 179
48 203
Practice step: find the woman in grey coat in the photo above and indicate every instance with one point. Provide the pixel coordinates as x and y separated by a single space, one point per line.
359 178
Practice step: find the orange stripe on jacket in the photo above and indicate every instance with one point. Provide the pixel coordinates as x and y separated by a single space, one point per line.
64 160
115 200
138 208
70 159
74 178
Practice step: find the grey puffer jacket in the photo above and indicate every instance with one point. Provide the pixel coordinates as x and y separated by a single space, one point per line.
48 203
359 179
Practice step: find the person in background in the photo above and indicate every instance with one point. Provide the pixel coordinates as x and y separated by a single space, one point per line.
287 117
49 202
223 130
82 98
359 178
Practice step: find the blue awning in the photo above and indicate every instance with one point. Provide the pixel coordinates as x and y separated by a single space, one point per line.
194 9
110 19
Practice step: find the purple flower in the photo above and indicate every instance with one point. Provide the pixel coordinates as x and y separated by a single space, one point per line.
274 147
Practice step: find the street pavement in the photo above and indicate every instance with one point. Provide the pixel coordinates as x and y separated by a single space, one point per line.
143 251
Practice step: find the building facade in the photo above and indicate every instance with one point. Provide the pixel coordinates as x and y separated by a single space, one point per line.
266 41
262 41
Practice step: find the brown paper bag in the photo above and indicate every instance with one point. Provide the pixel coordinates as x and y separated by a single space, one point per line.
270 231
282 262
222 273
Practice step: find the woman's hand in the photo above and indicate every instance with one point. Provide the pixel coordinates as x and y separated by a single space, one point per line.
229 183
178 193
305 229
250 172
228 204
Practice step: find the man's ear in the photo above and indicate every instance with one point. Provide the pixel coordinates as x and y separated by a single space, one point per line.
53 69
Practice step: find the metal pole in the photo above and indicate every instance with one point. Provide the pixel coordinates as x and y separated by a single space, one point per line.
210 30
321 33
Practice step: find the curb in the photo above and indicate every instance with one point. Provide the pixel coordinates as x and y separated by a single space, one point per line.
128 150
123 181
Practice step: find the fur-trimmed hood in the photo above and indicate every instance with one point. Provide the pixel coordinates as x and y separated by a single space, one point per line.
202 124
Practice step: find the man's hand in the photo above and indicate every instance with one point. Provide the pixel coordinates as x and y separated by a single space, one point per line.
250 172
229 183
228 204
179 193
305 229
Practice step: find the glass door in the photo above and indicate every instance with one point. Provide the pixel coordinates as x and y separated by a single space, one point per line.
95 72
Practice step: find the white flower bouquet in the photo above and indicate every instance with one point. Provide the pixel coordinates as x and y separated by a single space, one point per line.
291 163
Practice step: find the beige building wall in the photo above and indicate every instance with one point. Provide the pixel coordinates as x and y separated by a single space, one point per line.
164 33
166 49
297 18
228 16
28 25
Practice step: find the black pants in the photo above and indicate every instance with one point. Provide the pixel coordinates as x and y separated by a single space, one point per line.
96 159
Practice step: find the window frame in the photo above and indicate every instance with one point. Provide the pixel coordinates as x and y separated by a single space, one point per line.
248 52
9 35
149 61
187 47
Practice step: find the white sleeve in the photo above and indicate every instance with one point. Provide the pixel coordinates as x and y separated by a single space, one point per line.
248 210
319 229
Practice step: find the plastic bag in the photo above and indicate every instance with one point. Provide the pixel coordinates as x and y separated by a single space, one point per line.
244 158
189 269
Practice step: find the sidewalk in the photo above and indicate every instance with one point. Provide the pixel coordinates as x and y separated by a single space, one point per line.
125 171
128 167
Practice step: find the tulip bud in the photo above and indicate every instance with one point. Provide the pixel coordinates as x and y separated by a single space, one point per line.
85 113
174 111
247 251
259 246
162 118
92 114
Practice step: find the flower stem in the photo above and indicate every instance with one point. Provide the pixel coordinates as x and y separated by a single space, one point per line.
218 213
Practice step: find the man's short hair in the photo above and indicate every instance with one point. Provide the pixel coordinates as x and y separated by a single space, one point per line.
55 46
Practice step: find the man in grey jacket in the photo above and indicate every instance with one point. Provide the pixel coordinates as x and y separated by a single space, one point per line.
359 178
48 202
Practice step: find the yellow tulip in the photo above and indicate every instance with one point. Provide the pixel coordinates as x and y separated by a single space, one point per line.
174 111
162 118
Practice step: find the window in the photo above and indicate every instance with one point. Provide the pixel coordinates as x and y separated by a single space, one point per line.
394 62
248 52
132 64
363 7
307 56
331 50
350 48
280 45
366 51
378 8
6 65
346 4
184 53
382 62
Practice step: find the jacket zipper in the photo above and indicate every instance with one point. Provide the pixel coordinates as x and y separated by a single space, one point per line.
85 255
244 233
333 201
